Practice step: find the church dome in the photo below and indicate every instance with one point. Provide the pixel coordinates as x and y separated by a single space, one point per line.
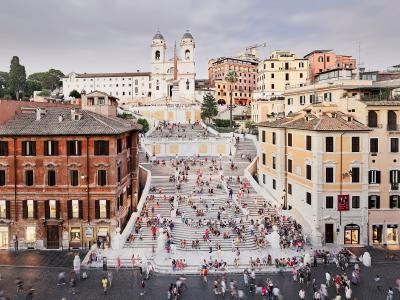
158 36
187 35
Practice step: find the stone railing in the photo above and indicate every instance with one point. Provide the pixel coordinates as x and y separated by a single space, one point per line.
120 238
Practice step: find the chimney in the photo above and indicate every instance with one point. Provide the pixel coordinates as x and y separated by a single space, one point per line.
75 115
39 113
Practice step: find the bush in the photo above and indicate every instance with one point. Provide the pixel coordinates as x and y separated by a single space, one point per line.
222 123
145 125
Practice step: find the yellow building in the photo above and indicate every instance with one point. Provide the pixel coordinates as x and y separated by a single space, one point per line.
308 162
281 70
376 105
264 109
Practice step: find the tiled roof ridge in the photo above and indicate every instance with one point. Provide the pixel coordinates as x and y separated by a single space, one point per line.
91 114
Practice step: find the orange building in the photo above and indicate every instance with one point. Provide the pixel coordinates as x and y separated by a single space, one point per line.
246 70
324 60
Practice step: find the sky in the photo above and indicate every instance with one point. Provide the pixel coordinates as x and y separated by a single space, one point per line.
115 35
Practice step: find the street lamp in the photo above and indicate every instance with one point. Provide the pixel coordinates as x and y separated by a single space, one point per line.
220 161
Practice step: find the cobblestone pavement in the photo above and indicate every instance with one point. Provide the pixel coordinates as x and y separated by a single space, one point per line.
126 284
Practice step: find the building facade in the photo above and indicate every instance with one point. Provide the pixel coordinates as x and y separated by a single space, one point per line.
309 162
124 86
324 60
68 178
279 71
242 91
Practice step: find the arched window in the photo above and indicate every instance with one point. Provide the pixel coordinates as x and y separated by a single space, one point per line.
157 85
187 84
392 120
372 119
221 102
187 54
157 55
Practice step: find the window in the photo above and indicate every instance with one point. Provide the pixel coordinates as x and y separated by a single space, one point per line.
355 201
302 100
355 144
272 86
74 177
289 188
308 142
374 176
290 140
100 147
51 177
329 202
264 158
394 145
187 84
272 65
329 177
312 98
50 148
301 75
28 148
394 176
374 201
308 172
287 76
373 145
274 138
274 184
118 174
102 209
308 198
128 142
29 180
273 162
328 97
394 201
101 177
4 209
30 234
272 75
2 177
290 166
74 208
392 120
263 136
372 119
355 174
52 209
3 148
29 209
119 145
329 144
263 178
74 148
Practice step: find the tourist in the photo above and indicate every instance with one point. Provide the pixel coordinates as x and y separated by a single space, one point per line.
104 284
302 294
389 294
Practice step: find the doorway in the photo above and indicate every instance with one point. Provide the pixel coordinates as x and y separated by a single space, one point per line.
352 234
3 237
377 234
328 233
53 241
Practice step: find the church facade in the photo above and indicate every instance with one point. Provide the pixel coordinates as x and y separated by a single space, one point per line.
173 78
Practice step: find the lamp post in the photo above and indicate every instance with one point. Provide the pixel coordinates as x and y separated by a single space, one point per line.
220 161
176 161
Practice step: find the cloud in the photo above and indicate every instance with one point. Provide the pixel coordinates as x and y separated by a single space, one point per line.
106 36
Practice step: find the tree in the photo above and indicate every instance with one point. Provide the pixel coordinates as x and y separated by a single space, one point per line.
50 80
232 78
75 94
44 93
208 108
3 84
17 77
32 86
145 125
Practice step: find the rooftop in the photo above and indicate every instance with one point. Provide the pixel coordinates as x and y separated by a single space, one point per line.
317 51
333 121
125 74
49 122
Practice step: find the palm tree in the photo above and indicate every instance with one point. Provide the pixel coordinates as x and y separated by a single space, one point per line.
232 78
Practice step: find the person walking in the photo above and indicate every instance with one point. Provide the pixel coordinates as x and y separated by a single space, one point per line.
302 294
389 294
61 278
104 284
348 292
328 279
378 285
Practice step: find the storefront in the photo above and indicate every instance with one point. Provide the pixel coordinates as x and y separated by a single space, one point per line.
103 238
4 237
75 237
391 234
351 234
377 232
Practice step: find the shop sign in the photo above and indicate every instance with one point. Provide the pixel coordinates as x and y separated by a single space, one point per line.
89 232
343 202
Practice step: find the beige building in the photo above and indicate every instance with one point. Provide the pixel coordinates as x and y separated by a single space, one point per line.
308 162
375 105
265 109
281 70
